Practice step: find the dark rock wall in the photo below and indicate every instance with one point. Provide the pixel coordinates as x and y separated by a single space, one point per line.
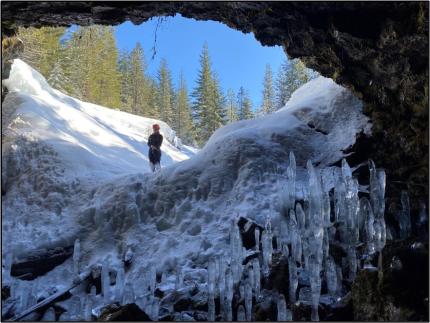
377 49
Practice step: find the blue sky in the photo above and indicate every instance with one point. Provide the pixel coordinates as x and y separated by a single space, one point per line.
238 59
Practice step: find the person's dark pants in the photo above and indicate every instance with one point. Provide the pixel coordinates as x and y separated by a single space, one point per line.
154 159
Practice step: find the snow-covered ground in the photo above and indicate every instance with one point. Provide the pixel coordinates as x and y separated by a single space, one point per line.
76 170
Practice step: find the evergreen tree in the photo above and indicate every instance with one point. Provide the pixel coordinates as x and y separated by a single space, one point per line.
57 79
244 105
208 100
124 70
282 88
93 65
268 104
42 47
137 81
231 106
183 124
292 75
165 93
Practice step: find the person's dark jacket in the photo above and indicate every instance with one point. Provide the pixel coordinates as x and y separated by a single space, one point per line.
155 139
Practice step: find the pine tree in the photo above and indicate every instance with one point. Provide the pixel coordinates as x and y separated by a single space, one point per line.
282 89
292 75
165 93
208 100
231 106
244 105
124 71
57 79
137 81
268 104
183 124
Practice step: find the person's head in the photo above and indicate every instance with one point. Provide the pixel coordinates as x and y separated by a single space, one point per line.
156 128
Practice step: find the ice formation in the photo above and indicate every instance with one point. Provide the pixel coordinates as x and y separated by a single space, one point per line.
82 175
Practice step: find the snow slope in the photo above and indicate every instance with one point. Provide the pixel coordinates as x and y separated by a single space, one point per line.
92 141
181 215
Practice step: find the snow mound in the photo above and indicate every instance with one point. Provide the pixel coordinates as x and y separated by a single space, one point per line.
78 168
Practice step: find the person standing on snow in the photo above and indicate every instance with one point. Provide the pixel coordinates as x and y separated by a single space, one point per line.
154 142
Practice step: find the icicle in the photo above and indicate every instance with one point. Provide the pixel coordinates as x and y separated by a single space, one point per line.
290 189
211 308
250 272
152 278
248 301
119 285
315 280
326 210
331 276
76 257
369 230
257 238
229 294
49 315
256 267
240 314
242 291
88 308
105 283
292 273
155 309
266 242
93 291
285 251
282 308
346 170
75 308
211 277
179 277
300 216
221 281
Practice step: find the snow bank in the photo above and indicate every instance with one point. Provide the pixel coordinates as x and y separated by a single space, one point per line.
182 214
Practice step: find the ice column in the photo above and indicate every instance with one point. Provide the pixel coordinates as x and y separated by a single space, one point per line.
155 308
211 308
88 308
294 280
179 277
257 238
331 276
266 241
119 285
105 283
76 256
282 308
240 314
211 277
248 301
229 295
256 268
